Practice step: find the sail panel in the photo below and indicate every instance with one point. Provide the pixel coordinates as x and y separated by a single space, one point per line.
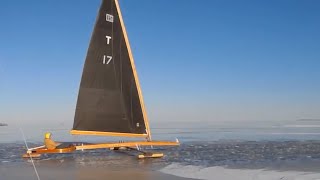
108 99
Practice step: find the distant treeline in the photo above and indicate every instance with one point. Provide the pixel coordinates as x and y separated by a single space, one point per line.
3 124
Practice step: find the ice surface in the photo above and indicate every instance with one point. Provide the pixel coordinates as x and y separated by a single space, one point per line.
284 151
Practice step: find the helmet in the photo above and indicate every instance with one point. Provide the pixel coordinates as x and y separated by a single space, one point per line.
47 135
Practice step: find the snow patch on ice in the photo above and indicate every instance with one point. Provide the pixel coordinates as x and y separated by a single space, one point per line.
218 173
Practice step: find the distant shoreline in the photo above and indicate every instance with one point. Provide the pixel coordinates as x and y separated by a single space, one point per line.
3 124
311 120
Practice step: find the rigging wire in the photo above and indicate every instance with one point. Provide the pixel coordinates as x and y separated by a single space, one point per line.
26 144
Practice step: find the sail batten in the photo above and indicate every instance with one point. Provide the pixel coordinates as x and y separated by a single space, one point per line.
110 100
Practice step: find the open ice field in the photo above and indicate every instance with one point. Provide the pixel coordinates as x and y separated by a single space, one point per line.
265 151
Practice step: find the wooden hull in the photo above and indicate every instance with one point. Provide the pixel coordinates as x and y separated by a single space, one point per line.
36 152
31 155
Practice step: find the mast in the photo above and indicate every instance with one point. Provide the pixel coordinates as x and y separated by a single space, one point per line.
110 100
145 116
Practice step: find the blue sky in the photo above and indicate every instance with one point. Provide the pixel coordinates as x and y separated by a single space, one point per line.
197 60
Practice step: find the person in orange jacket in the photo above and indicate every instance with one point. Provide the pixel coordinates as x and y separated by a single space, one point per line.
49 143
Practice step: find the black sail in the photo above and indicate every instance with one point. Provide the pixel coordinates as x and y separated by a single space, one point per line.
108 99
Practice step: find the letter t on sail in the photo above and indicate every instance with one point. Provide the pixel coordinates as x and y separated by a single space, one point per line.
108 39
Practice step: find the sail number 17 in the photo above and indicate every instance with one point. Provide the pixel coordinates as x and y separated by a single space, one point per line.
106 59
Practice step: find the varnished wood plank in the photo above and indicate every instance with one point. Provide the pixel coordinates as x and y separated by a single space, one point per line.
127 144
